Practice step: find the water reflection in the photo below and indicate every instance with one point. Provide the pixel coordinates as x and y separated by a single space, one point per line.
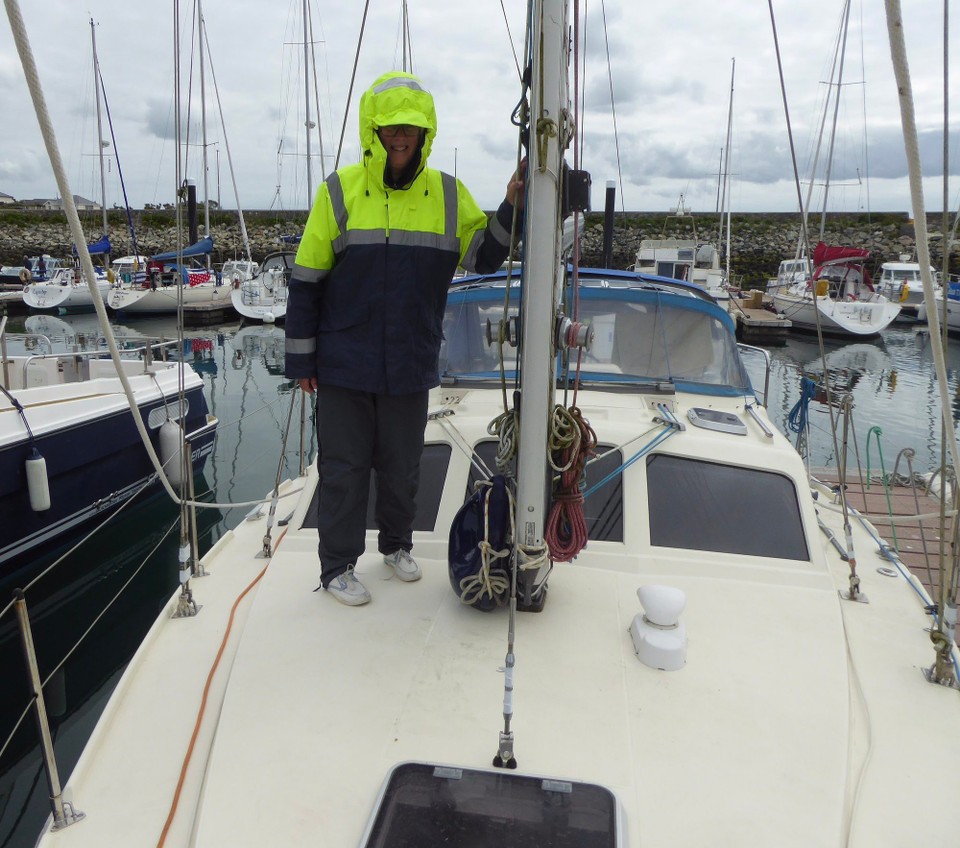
892 383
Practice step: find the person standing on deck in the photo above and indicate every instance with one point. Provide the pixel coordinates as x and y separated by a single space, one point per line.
364 320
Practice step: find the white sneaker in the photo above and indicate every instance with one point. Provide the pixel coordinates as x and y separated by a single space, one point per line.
403 565
347 589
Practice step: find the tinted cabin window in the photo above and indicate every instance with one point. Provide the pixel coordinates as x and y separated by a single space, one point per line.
602 509
707 506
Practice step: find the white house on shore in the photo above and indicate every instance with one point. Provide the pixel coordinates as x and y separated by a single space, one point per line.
7 199
82 204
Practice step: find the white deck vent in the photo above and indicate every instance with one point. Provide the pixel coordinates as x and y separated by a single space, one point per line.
659 637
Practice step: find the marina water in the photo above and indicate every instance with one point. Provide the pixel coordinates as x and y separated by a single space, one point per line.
890 379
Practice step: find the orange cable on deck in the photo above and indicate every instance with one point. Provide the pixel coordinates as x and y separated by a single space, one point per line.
203 701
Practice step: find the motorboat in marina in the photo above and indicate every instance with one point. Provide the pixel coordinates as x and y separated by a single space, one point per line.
69 448
684 259
648 627
900 282
837 298
950 308
34 269
264 296
691 259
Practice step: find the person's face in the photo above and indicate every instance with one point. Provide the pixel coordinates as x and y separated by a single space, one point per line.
400 142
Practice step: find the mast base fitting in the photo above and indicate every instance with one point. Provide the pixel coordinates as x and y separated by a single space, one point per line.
530 598
859 597
504 757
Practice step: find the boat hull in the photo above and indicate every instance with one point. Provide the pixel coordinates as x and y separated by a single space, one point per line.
94 457
166 299
861 318
63 297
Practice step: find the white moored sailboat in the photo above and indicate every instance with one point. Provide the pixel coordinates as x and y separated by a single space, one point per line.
264 296
687 660
837 298
66 290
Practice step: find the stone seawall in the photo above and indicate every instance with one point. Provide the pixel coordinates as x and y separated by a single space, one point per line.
757 241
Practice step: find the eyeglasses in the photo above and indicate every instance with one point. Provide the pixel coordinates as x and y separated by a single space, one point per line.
393 130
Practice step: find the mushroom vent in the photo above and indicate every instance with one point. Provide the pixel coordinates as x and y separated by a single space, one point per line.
659 637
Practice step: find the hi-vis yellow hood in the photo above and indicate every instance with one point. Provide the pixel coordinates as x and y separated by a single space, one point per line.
395 98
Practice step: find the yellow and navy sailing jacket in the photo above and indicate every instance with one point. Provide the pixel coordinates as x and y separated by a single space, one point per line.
369 287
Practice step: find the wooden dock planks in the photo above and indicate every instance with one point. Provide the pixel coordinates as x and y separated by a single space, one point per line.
893 512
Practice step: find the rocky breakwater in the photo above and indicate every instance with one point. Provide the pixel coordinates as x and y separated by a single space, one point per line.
758 242
32 233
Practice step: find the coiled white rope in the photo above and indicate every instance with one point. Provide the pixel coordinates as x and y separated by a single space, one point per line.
489 581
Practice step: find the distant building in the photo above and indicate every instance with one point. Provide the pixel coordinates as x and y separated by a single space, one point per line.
6 199
82 204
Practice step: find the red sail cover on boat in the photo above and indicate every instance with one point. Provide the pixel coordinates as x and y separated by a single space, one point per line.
824 253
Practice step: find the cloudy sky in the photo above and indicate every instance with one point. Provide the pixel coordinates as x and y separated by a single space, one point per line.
669 69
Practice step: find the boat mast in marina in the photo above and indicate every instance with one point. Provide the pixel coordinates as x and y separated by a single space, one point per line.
101 144
550 119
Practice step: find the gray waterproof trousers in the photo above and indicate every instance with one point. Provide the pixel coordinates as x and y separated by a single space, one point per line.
359 432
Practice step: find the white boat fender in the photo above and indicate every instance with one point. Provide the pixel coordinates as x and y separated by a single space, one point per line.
38 485
659 637
170 443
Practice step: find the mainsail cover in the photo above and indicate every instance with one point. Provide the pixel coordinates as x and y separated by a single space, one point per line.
98 248
201 248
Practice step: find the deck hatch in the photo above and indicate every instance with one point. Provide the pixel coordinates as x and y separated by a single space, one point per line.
428 806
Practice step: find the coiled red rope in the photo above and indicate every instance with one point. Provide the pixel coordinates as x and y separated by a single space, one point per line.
573 444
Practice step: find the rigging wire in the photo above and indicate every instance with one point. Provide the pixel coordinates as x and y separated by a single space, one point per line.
513 47
613 102
226 144
123 186
353 78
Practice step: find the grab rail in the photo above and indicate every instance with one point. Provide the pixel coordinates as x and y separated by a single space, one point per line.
766 357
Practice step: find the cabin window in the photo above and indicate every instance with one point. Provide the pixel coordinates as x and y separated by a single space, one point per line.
673 270
429 806
602 509
707 506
